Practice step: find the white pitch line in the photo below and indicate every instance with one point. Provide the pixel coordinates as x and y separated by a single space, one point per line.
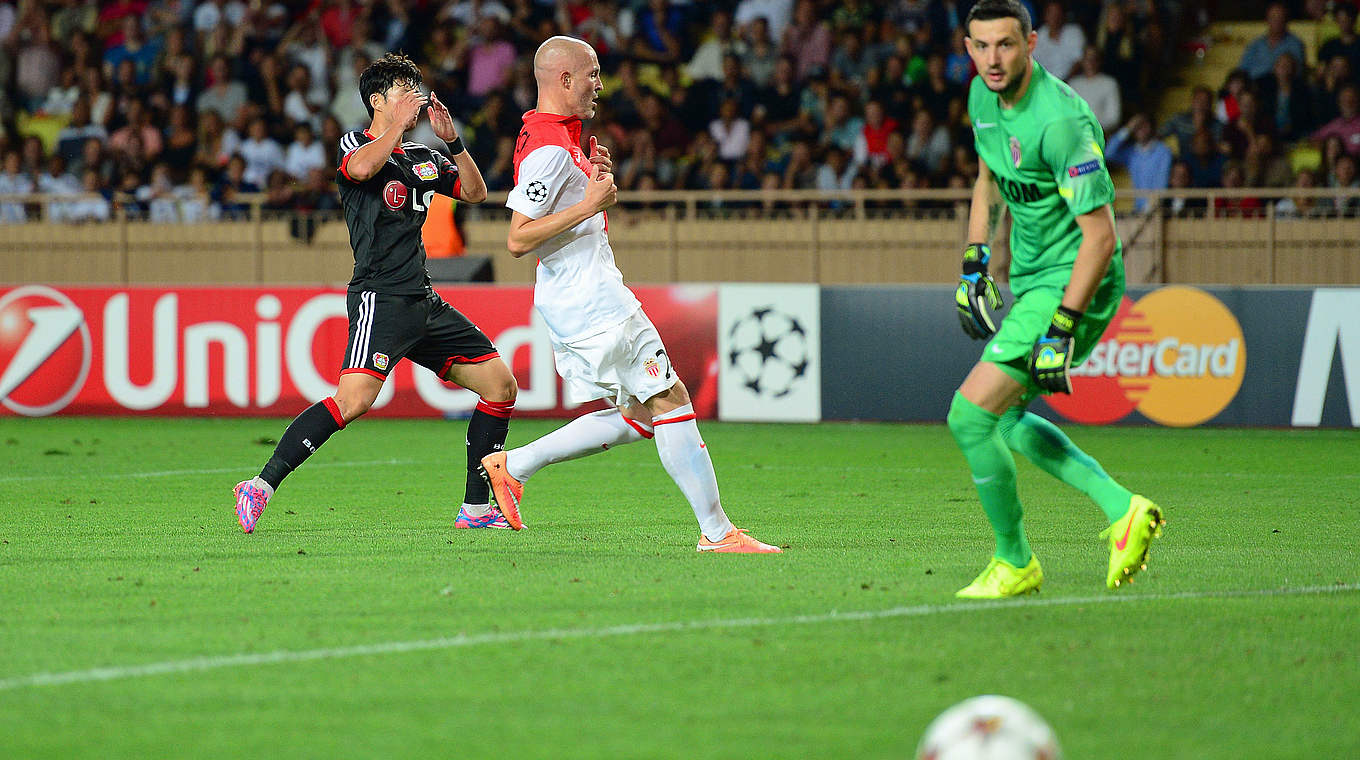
205 471
217 662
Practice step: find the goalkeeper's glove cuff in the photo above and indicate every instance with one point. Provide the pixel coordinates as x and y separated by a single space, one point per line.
1064 322
975 258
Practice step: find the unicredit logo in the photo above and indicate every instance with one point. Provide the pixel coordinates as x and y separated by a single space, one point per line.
45 350
1176 355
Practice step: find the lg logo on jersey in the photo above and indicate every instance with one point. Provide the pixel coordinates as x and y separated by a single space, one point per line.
396 193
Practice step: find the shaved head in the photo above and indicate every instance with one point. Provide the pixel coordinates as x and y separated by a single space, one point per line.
568 75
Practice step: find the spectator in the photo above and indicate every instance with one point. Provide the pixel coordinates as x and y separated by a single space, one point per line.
181 140
1234 206
1204 160
490 58
210 14
224 96
777 14
928 143
135 48
808 40
138 139
1264 166
194 199
720 42
801 172
1181 206
1237 83
836 172
1286 100
233 184
304 154
305 45
659 27
1347 43
762 54
1099 90
842 127
1060 42
1121 50
158 196
730 131
1250 122
1346 126
217 142
1302 206
14 180
62 97
261 152
1259 57
297 104
37 66
71 139
959 65
1200 115
1335 74
934 90
872 145
1147 158
781 102
183 87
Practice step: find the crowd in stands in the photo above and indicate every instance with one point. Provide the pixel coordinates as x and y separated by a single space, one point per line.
175 110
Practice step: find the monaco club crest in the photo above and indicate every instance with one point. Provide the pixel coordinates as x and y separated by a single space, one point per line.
1015 151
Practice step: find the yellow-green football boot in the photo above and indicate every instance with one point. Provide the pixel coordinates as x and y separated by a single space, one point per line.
1130 537
1001 579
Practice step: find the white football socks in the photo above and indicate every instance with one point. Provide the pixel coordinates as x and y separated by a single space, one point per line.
583 436
476 510
686 460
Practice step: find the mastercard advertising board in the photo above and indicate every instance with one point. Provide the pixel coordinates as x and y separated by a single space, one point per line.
1176 355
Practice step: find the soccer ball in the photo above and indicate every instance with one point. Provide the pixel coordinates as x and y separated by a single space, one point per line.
988 728
769 350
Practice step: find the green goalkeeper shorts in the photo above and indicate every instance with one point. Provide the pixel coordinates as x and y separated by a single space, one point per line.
1029 318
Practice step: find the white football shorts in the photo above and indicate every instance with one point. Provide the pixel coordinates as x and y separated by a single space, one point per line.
623 363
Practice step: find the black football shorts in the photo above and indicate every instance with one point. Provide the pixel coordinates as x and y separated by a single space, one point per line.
384 329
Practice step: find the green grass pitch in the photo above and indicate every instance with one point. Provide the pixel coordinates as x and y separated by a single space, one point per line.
136 620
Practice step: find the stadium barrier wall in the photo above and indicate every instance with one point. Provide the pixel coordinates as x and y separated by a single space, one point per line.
1175 355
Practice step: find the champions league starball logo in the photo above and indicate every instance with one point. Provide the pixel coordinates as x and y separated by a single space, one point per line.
536 192
45 350
769 350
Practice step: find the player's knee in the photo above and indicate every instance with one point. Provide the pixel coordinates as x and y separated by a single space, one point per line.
353 405
968 422
502 390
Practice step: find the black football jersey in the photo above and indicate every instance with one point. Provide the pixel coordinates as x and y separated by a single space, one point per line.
385 213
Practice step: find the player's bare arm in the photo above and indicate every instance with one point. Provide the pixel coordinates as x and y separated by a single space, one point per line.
987 209
400 111
527 234
1093 257
977 295
472 186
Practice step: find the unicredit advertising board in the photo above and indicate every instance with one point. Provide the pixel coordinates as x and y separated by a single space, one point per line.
268 351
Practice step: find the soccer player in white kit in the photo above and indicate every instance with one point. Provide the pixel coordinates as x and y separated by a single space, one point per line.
604 345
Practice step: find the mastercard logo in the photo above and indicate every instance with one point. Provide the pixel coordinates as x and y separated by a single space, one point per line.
1176 355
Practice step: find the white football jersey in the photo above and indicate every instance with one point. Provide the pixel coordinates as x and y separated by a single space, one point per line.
578 289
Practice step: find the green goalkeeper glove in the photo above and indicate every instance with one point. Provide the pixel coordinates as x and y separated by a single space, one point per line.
977 295
1051 359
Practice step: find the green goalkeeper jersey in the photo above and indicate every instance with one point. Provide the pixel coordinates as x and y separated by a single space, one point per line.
1047 153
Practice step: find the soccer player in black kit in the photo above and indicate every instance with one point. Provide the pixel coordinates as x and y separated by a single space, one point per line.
385 188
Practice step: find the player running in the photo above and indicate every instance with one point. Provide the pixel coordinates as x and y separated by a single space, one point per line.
385 187
604 345
1041 151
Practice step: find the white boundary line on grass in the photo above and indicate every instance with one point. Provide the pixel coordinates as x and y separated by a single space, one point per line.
217 662
207 471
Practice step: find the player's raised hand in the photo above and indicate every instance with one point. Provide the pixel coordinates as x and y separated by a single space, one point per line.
601 192
406 109
599 155
1050 361
441 121
977 295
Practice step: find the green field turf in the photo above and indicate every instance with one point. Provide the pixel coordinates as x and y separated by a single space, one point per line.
137 621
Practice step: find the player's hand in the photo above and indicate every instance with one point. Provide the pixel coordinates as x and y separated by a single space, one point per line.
977 295
601 192
599 156
440 120
1050 361
406 110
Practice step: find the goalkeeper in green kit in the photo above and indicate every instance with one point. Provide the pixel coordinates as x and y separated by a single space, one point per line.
1041 155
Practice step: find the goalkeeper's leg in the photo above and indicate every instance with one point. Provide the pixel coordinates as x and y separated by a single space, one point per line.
1044 444
993 469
